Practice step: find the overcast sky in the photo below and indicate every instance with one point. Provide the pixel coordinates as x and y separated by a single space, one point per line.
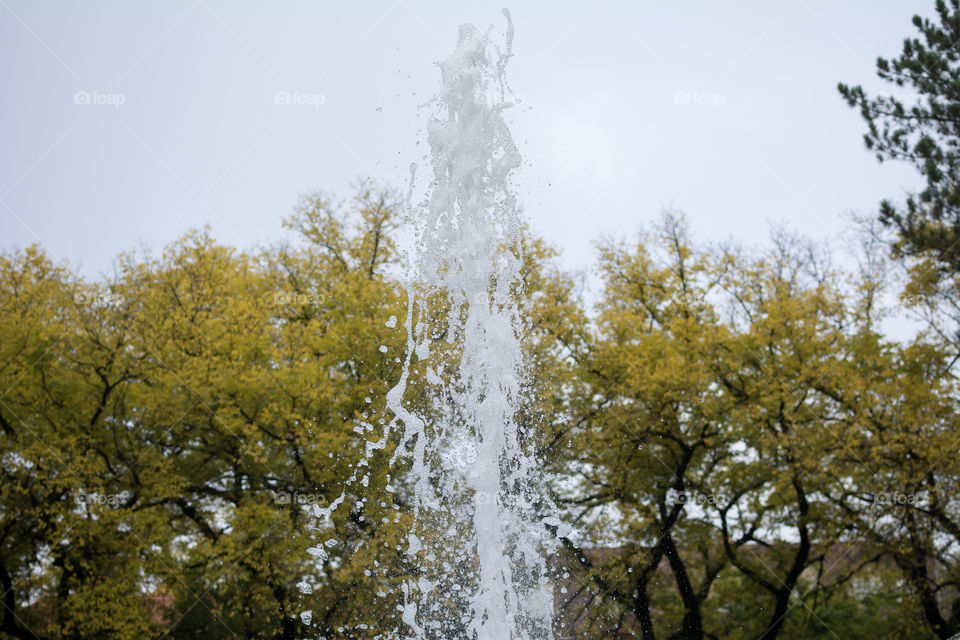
129 123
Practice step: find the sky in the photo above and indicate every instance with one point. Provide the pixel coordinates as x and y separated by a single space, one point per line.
124 124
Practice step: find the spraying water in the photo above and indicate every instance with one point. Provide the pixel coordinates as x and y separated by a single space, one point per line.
475 541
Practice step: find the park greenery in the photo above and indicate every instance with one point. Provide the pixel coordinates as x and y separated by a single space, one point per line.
739 444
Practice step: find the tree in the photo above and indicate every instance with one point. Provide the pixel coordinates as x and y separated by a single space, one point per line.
166 437
900 487
712 440
74 547
923 129
267 371
919 123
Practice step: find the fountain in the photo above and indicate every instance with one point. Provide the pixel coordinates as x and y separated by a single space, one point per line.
476 540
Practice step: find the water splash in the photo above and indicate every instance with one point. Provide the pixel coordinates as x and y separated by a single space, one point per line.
479 487
475 540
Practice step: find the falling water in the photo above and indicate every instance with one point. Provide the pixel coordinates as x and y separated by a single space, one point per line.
475 540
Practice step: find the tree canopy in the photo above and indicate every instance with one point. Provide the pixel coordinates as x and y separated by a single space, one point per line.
740 450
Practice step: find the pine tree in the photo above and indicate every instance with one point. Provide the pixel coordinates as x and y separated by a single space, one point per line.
919 123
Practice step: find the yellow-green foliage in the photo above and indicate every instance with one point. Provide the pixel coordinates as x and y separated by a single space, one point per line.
744 453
